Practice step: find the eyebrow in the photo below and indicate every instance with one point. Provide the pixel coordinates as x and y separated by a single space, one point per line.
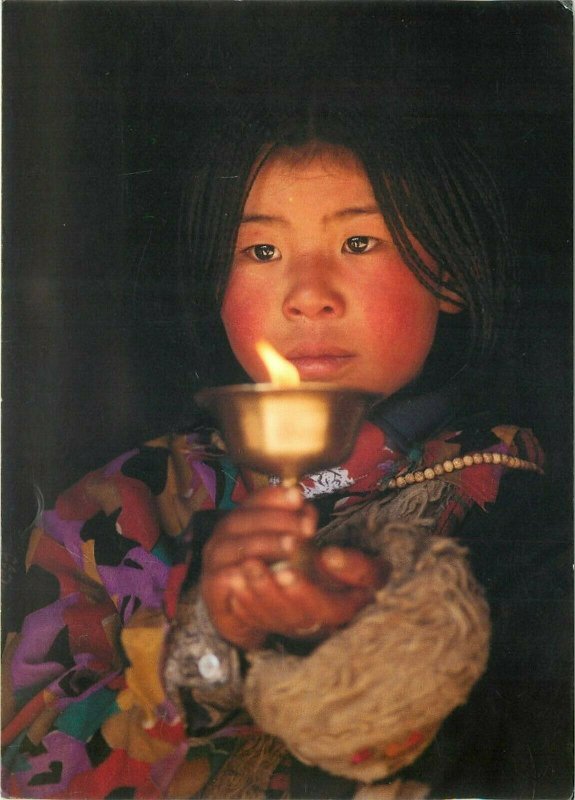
343 213
355 211
262 218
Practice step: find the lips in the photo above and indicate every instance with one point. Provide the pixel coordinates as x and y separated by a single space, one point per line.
320 363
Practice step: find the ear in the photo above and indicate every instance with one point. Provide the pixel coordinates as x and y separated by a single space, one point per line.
451 301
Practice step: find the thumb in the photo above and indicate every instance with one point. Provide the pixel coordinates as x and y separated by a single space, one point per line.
354 568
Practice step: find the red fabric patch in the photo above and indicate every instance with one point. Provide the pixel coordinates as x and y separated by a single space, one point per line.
21 721
240 491
363 465
279 782
480 482
362 755
137 519
173 734
397 748
117 771
453 513
118 683
173 588
75 503
55 558
85 629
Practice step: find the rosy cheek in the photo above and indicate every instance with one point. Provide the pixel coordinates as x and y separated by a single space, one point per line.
401 315
401 320
411 314
242 319
404 328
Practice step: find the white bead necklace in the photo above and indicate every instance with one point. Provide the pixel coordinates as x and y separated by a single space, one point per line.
450 465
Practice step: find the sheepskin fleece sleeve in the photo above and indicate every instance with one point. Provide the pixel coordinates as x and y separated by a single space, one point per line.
370 699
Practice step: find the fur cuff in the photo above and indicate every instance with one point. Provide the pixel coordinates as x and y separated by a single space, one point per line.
370 699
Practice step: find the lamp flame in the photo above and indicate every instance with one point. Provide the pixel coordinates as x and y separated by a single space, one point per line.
281 372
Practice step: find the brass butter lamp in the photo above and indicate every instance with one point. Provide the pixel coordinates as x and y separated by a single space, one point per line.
286 432
287 429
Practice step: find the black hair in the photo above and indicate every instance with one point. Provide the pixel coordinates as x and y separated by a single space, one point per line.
427 179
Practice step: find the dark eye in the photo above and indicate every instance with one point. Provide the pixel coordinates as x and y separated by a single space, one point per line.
263 252
359 244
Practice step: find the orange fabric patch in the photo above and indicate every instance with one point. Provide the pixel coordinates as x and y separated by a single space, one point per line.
125 732
189 779
395 749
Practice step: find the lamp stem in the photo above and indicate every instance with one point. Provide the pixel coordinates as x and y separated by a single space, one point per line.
288 481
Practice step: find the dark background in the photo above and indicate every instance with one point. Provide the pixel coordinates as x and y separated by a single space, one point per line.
101 104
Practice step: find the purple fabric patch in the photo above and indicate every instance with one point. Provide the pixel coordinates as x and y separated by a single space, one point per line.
66 757
164 769
387 467
38 633
66 533
82 662
167 712
147 584
207 477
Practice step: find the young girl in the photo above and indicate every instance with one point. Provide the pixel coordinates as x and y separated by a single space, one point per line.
172 644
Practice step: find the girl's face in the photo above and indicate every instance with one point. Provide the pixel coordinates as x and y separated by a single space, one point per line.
317 275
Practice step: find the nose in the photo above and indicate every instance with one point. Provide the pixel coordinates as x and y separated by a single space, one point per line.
312 292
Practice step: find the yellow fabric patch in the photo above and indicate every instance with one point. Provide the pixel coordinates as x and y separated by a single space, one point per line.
42 723
90 561
7 694
112 628
172 506
258 479
160 441
180 451
198 498
125 731
35 537
189 779
143 641
506 433
172 522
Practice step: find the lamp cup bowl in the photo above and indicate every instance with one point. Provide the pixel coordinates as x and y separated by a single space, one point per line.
290 431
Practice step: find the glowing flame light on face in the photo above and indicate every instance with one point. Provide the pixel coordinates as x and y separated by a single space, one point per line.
281 372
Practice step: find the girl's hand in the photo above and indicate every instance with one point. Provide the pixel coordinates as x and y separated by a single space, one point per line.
247 600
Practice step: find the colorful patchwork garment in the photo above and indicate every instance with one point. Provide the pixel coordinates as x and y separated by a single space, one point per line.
87 710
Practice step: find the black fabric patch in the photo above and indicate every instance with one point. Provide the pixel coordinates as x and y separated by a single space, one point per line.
121 793
97 749
42 589
475 439
44 778
202 525
150 466
28 746
78 681
129 603
110 547
129 562
220 483
60 649
312 782
197 718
